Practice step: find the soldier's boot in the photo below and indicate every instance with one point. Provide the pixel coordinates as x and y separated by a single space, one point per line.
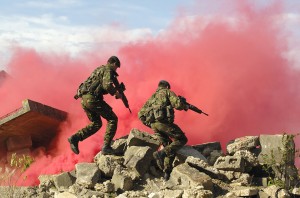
167 175
168 165
73 140
159 157
107 150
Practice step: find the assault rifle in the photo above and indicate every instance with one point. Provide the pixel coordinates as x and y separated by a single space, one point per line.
120 87
192 107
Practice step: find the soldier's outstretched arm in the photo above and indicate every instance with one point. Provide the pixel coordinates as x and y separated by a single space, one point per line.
191 107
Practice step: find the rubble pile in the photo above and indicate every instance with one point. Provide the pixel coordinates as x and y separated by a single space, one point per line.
251 167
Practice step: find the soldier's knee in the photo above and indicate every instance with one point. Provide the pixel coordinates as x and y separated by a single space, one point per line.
114 120
97 125
183 140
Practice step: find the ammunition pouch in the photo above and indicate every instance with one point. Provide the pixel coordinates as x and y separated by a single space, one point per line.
163 114
159 112
149 117
170 114
94 89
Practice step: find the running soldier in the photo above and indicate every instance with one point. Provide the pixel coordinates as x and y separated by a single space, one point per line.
103 80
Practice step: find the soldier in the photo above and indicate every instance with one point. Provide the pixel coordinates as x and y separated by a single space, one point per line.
158 113
91 92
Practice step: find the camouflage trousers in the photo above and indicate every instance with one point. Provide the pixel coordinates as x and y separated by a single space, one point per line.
95 109
172 138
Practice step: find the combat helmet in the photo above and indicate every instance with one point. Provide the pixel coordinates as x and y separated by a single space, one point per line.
164 83
114 59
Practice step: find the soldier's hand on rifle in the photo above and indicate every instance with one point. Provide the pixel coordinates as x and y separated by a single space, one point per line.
76 97
118 95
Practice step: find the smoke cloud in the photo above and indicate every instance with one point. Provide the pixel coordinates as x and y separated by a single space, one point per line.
233 69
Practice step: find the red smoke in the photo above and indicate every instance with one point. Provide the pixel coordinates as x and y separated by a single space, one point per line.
234 72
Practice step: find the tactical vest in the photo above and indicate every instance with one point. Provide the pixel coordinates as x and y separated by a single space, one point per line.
160 108
93 84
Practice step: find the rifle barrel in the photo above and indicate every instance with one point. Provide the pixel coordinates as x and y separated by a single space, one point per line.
194 108
205 113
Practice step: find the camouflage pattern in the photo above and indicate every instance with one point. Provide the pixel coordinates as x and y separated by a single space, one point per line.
165 128
98 84
164 132
162 97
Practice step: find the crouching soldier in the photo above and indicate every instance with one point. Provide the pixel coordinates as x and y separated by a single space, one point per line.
158 114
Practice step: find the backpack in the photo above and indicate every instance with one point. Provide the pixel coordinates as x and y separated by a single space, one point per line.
93 84
158 111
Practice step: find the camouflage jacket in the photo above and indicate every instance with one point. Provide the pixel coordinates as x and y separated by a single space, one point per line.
100 82
163 100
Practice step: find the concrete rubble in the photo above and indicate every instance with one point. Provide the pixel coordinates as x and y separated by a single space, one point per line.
241 172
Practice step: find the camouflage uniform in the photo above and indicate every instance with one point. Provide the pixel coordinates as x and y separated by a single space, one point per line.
164 100
94 105
100 82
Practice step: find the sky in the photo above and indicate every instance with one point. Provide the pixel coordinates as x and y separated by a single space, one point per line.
236 60
73 26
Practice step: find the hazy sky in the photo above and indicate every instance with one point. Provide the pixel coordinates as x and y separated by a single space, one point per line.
74 25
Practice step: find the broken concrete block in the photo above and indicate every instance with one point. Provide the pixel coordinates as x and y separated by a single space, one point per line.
203 167
227 175
230 175
278 151
154 195
87 174
248 156
119 145
245 179
230 163
244 143
63 181
171 193
187 151
77 189
262 194
121 180
296 191
91 193
106 187
245 192
275 145
138 159
108 163
46 182
139 138
15 143
197 192
133 194
65 195
189 177
273 190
